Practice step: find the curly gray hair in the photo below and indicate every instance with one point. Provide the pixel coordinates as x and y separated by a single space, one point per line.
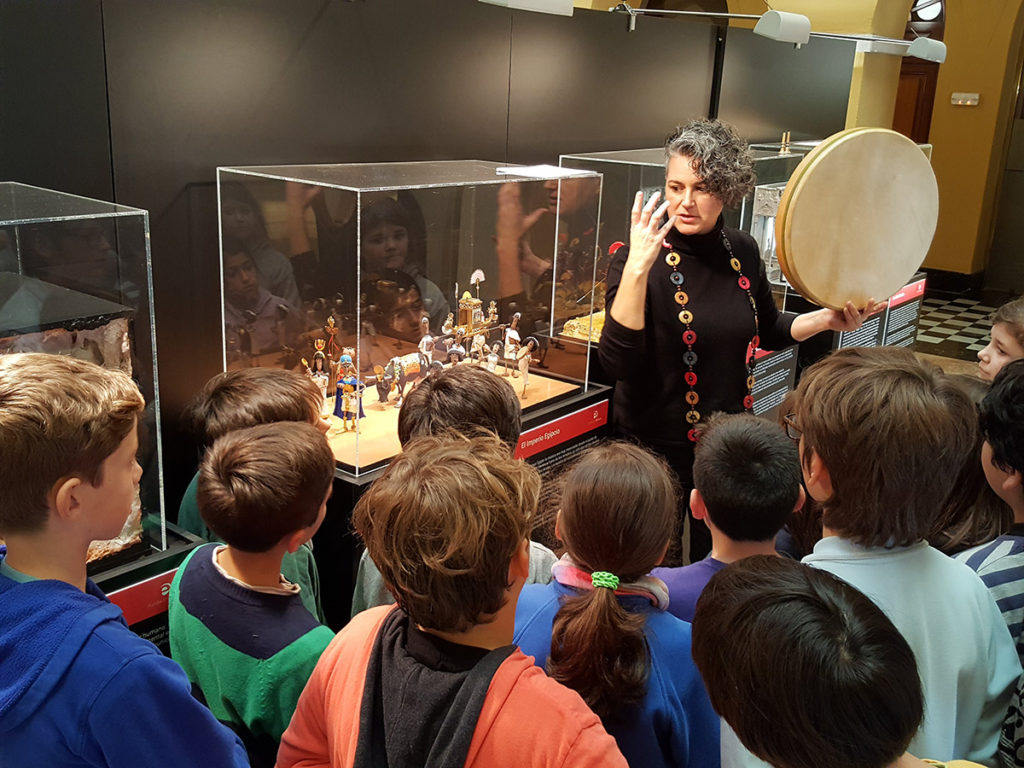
718 155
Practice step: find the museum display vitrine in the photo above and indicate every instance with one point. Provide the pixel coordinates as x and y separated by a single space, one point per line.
75 279
367 276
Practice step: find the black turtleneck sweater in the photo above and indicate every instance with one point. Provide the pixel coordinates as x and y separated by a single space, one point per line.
648 363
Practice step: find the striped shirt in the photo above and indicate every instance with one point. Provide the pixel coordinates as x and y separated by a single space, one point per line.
1000 564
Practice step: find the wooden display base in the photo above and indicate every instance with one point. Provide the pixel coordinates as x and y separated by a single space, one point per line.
378 430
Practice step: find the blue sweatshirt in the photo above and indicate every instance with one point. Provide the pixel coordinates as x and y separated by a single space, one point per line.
78 688
675 724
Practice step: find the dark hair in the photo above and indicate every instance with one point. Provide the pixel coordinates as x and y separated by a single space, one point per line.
618 512
238 192
891 431
719 157
748 473
232 245
59 417
1001 417
973 513
462 398
251 396
805 669
1012 314
443 523
259 484
384 211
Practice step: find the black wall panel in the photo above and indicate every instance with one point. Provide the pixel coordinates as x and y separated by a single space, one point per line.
53 98
585 83
770 87
195 84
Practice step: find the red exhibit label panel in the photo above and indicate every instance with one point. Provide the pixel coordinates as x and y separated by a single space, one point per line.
907 293
144 600
565 428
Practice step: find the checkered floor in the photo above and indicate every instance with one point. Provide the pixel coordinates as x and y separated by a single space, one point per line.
958 328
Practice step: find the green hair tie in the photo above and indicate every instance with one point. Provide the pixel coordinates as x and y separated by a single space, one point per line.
604 579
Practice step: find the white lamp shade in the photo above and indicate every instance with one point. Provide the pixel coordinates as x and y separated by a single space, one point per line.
784 27
559 7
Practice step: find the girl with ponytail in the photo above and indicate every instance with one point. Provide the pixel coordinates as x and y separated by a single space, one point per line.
601 628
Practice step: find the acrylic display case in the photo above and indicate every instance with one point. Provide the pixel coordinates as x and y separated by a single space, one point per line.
366 276
75 280
627 171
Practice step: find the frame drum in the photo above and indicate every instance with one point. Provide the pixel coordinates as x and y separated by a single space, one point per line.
857 217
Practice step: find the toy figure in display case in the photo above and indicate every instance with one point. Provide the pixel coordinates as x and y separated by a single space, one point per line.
426 342
398 373
524 357
493 357
478 348
492 313
448 328
319 371
511 344
348 404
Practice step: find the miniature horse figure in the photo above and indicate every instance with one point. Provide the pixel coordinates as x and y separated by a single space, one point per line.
397 373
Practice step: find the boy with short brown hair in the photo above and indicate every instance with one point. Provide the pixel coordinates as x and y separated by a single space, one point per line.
437 680
237 626
881 433
244 398
70 666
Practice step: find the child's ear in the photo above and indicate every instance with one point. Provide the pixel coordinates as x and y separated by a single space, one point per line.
519 568
1013 482
817 478
697 506
295 539
801 499
64 497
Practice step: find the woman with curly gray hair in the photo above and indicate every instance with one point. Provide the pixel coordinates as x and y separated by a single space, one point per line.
689 303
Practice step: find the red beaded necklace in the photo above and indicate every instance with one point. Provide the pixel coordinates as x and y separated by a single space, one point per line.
673 259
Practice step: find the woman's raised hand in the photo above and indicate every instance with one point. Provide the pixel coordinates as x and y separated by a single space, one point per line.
645 233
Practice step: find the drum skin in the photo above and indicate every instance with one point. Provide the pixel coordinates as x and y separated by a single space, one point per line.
857 217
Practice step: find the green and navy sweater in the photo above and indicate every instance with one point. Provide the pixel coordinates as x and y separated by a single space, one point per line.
249 652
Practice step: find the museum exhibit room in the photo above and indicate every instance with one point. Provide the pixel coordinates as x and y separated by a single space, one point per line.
377 376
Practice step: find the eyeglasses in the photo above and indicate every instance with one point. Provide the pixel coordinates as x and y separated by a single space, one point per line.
793 432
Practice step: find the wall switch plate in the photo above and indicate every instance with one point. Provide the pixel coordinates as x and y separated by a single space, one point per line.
965 99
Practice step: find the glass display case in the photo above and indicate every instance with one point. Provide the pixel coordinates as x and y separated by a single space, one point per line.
75 280
627 171
367 276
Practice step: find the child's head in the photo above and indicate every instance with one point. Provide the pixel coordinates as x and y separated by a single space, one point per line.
746 472
463 398
1001 416
241 278
883 436
385 235
804 668
261 484
617 514
443 524
251 396
1007 340
972 513
61 419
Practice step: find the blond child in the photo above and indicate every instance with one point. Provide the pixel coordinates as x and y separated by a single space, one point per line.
79 686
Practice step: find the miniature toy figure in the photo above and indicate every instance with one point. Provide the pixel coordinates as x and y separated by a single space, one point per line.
524 357
319 372
426 344
449 325
345 366
331 329
492 313
397 373
492 359
348 405
456 353
478 348
511 345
